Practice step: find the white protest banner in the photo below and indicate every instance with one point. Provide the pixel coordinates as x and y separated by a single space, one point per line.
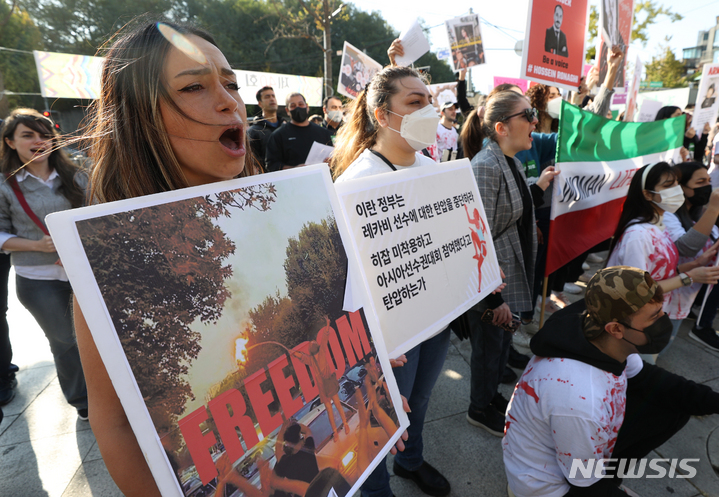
465 41
648 111
615 28
424 248
356 70
707 104
678 97
187 315
443 93
414 44
78 76
554 43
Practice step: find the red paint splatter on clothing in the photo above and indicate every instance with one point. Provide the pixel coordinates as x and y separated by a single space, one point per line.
529 390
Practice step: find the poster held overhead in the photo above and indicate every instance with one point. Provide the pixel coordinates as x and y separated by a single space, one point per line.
553 52
633 90
523 84
465 42
356 70
224 339
424 246
615 21
414 44
707 104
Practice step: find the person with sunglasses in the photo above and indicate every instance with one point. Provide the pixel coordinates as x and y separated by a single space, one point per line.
507 120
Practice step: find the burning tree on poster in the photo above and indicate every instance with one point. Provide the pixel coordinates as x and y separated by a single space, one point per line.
179 254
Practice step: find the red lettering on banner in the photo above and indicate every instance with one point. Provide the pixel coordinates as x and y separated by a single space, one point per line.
308 387
226 422
337 358
198 443
260 402
713 70
283 386
623 179
354 337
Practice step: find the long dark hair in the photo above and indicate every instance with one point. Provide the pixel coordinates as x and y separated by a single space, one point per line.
360 132
58 160
130 145
538 96
637 209
666 112
688 216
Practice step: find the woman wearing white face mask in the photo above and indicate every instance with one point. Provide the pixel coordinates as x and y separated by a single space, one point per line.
391 120
642 241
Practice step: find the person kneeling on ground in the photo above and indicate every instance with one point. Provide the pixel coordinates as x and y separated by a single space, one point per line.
586 395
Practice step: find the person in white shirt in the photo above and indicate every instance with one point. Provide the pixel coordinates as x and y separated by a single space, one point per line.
447 136
586 396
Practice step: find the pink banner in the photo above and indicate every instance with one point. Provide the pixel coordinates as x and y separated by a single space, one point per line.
523 84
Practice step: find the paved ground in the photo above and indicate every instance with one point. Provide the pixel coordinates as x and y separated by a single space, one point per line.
46 451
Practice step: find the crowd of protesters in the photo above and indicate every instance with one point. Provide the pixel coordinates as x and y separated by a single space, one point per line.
660 260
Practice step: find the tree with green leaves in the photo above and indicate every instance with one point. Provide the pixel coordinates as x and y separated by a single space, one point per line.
160 269
17 69
666 68
646 13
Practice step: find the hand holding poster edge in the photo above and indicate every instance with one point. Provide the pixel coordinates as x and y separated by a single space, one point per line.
92 304
456 168
414 42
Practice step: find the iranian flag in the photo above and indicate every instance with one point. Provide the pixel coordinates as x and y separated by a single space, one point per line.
597 159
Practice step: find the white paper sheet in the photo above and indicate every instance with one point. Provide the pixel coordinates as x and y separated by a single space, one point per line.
318 153
414 43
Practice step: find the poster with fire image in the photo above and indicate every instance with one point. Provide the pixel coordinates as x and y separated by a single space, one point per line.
218 312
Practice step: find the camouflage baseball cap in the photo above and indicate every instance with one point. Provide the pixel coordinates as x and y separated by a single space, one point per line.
613 294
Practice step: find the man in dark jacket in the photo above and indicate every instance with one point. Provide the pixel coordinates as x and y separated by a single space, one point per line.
587 397
263 127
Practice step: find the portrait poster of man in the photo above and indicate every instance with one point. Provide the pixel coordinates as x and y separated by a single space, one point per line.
707 103
553 52
465 41
356 70
615 22
218 313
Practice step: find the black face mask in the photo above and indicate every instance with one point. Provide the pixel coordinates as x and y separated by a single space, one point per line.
701 195
658 336
299 114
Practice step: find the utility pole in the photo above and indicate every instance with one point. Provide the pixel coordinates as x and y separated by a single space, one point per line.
326 22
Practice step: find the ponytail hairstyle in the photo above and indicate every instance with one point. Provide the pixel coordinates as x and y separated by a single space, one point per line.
637 209
58 160
360 133
480 123
129 143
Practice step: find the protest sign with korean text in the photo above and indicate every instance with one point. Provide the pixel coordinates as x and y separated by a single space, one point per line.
424 247
707 104
218 313
356 70
553 51
465 41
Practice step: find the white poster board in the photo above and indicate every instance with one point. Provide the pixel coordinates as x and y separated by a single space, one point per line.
356 70
424 247
707 104
465 41
176 314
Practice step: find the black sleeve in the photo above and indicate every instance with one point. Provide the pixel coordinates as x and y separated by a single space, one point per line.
672 392
493 300
537 195
255 137
606 487
700 147
273 154
462 101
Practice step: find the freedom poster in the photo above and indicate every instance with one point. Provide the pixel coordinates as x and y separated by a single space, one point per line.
615 28
218 313
424 247
554 46
356 70
596 159
465 41
707 104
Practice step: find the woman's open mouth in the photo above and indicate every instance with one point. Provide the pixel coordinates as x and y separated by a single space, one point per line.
232 139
